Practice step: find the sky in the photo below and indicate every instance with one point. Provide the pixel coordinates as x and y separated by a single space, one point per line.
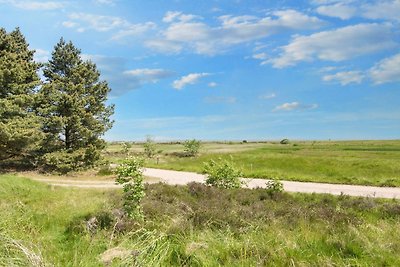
232 69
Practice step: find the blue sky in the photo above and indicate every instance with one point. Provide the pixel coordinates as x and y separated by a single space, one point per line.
232 70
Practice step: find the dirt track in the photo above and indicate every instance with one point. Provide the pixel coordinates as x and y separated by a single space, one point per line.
182 178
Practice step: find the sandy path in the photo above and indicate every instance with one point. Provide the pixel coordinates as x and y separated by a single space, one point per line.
182 178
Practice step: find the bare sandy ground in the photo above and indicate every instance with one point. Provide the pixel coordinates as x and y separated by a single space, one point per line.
182 178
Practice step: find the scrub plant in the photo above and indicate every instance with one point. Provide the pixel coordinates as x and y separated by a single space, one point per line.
130 176
192 147
222 174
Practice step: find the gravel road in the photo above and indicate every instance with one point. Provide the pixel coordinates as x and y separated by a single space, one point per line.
182 178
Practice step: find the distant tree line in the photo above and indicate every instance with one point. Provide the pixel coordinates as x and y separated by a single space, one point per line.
57 121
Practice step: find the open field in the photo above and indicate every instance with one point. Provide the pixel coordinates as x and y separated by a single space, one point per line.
348 162
195 226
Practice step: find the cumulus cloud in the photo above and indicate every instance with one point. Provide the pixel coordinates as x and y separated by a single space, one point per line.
232 30
95 22
260 56
338 10
122 80
36 5
133 30
387 70
171 16
191 78
345 77
336 45
387 10
295 106
345 9
148 75
121 28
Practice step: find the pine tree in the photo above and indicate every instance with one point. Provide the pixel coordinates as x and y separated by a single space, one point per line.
19 127
73 108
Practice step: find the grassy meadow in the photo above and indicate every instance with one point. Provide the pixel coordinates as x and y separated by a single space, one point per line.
193 225
346 162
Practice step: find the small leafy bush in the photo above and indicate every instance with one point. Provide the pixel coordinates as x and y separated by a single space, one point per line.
130 176
192 147
274 187
126 146
222 174
149 147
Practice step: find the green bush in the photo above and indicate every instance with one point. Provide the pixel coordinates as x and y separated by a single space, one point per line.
274 187
130 176
192 147
222 174
149 147
126 146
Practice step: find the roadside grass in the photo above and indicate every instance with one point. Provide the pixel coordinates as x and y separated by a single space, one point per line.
196 225
346 162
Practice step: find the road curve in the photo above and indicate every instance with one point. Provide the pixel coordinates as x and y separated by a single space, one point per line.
182 178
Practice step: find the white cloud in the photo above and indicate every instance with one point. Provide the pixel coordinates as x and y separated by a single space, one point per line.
191 78
36 5
260 56
387 70
212 84
172 16
121 27
387 10
267 96
69 24
187 32
122 80
336 45
345 77
294 106
164 46
220 99
148 75
338 10
97 22
134 30
377 10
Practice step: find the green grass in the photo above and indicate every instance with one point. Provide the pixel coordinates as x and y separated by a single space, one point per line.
348 162
197 225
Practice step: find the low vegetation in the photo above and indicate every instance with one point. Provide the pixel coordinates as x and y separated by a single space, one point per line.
192 147
223 174
195 225
130 176
347 162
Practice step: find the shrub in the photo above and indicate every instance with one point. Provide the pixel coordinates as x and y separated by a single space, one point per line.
192 147
149 147
222 173
274 187
126 146
130 176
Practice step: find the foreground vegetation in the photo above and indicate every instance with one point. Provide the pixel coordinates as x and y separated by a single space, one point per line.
193 225
347 162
